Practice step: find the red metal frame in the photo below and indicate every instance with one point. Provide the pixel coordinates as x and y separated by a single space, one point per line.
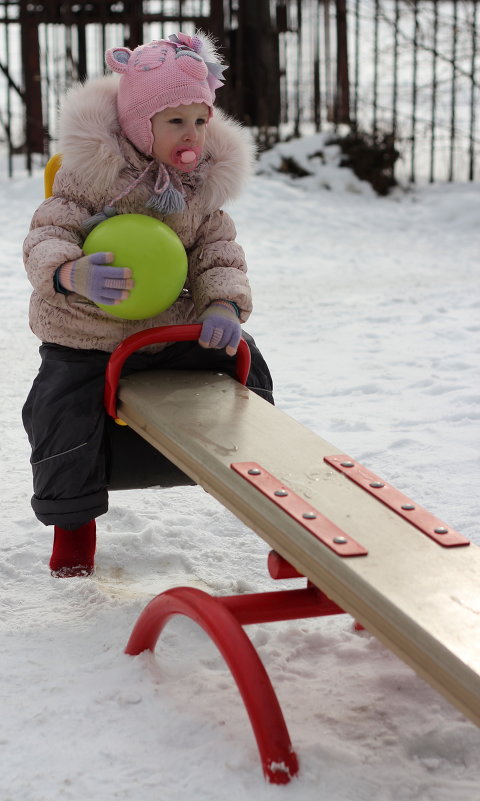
278 758
152 336
222 619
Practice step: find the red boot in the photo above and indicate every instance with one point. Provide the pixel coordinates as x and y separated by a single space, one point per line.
73 551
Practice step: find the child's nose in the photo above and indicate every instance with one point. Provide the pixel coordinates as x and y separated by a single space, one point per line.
190 133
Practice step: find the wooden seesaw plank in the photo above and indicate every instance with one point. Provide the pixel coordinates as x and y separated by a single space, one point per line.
421 599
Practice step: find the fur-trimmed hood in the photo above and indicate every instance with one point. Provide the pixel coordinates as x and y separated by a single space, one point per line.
94 147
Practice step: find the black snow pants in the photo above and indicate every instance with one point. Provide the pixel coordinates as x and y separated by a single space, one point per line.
78 451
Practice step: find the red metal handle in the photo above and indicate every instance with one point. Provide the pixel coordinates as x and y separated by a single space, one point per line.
162 333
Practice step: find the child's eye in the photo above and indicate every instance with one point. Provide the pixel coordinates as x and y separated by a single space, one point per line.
201 121
176 121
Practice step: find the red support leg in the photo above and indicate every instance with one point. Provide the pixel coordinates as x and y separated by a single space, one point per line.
268 607
279 761
222 619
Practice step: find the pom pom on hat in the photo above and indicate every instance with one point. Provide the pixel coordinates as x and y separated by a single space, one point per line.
167 198
163 74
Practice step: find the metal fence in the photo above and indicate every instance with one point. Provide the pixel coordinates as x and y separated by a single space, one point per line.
405 69
415 71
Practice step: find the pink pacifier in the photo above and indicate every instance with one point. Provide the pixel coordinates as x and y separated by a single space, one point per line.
186 158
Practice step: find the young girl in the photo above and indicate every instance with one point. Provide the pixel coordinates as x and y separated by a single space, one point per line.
146 143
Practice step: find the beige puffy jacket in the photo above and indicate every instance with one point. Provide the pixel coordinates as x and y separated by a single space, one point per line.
98 163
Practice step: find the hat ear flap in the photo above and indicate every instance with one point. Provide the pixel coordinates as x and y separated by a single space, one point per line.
117 58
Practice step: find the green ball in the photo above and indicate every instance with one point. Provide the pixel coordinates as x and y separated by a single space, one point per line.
155 255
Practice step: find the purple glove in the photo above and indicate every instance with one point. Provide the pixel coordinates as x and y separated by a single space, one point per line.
221 328
89 276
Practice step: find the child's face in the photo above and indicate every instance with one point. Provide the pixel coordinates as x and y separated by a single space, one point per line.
177 131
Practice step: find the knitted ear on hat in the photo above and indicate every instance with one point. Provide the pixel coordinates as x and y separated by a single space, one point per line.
117 58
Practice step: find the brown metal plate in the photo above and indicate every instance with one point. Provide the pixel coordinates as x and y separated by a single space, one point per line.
302 512
397 502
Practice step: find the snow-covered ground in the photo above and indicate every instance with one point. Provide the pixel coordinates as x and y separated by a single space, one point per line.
368 312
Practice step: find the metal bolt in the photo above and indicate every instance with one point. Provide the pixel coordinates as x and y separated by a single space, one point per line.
281 493
441 530
347 464
254 471
377 484
408 507
309 516
340 540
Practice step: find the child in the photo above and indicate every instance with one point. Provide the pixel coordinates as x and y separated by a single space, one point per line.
149 143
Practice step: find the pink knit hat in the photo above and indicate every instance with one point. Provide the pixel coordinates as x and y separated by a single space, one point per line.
162 74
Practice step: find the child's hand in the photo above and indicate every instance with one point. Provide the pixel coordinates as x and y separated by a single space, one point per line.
91 277
221 328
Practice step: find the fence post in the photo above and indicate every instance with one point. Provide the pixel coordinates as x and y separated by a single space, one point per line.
342 97
34 132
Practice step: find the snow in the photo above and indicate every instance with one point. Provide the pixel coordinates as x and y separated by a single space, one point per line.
367 310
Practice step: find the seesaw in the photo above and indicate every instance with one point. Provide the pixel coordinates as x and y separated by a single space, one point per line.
366 549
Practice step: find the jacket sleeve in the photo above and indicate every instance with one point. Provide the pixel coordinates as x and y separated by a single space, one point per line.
53 239
217 267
